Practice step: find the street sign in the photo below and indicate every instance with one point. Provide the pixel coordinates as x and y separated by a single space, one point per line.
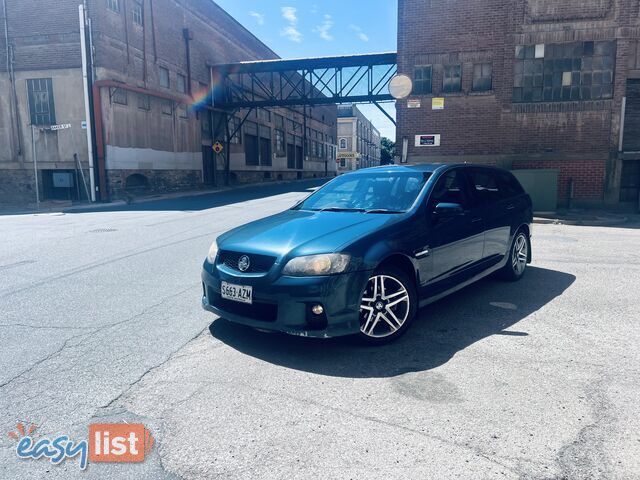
217 147
83 125
62 126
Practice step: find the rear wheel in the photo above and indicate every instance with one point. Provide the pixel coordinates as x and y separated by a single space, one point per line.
518 257
388 306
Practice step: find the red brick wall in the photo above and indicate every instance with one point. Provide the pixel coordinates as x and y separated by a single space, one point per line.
587 176
474 126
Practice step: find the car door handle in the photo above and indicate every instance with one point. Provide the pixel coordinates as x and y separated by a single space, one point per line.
511 206
476 219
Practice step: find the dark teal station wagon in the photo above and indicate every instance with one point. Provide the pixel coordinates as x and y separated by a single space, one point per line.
363 253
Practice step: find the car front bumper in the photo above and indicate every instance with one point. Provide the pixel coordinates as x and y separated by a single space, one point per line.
284 303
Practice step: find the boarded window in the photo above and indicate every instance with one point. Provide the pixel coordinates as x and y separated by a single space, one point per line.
144 102
182 83
138 13
41 105
113 5
452 78
422 80
482 77
119 96
167 107
164 77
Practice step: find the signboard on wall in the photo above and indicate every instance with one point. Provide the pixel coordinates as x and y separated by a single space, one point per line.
348 155
430 140
437 103
62 126
414 103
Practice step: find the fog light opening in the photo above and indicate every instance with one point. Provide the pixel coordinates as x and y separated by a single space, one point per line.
317 309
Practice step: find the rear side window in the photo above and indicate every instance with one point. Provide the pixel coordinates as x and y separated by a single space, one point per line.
509 186
485 186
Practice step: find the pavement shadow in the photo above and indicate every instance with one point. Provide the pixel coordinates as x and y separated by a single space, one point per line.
206 201
489 307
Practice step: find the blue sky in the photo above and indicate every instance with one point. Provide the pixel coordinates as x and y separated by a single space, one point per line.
307 28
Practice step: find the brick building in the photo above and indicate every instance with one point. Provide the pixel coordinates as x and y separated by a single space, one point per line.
358 140
148 69
527 84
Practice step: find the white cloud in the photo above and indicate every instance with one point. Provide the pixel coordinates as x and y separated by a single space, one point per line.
324 29
314 9
290 14
291 32
359 33
258 16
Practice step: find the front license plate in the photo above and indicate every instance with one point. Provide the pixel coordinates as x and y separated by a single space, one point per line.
237 293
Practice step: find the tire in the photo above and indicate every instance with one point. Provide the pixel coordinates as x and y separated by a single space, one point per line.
518 257
386 315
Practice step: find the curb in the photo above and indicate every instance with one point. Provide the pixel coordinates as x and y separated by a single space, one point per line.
602 222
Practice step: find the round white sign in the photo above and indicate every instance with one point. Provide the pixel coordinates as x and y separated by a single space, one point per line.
400 86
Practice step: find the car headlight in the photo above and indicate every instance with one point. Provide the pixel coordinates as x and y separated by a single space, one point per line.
326 264
213 252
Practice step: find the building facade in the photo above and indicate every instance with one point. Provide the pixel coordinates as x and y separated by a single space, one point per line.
358 140
526 84
149 79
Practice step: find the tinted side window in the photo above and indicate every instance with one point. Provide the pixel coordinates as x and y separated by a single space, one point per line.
449 189
485 186
509 185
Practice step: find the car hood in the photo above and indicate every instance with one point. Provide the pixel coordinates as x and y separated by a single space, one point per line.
301 232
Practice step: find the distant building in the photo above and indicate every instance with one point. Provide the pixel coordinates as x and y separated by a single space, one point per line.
527 85
148 64
358 140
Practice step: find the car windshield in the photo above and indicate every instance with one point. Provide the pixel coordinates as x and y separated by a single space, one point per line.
375 192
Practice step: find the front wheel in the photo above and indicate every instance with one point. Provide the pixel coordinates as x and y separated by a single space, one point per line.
518 258
388 306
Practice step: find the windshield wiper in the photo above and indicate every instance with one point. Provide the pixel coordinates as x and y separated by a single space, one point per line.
383 210
339 209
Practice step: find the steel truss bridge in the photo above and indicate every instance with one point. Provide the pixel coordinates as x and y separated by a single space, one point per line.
302 83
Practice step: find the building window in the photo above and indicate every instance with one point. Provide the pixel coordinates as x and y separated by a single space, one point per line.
138 13
164 77
113 5
119 96
279 121
564 72
144 102
182 111
234 126
451 80
41 106
422 80
482 81
279 141
343 144
264 115
182 83
167 107
251 144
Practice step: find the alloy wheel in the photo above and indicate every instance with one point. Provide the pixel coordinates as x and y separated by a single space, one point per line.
519 255
385 306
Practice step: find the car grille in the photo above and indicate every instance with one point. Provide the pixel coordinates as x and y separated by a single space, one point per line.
257 263
263 312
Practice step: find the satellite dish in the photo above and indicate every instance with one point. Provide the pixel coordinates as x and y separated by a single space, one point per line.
400 86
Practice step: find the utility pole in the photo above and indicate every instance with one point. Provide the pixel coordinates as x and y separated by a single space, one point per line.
35 164
87 103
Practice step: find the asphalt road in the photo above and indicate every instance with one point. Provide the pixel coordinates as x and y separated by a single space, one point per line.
100 321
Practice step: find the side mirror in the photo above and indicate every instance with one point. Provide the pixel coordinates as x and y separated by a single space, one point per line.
444 210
